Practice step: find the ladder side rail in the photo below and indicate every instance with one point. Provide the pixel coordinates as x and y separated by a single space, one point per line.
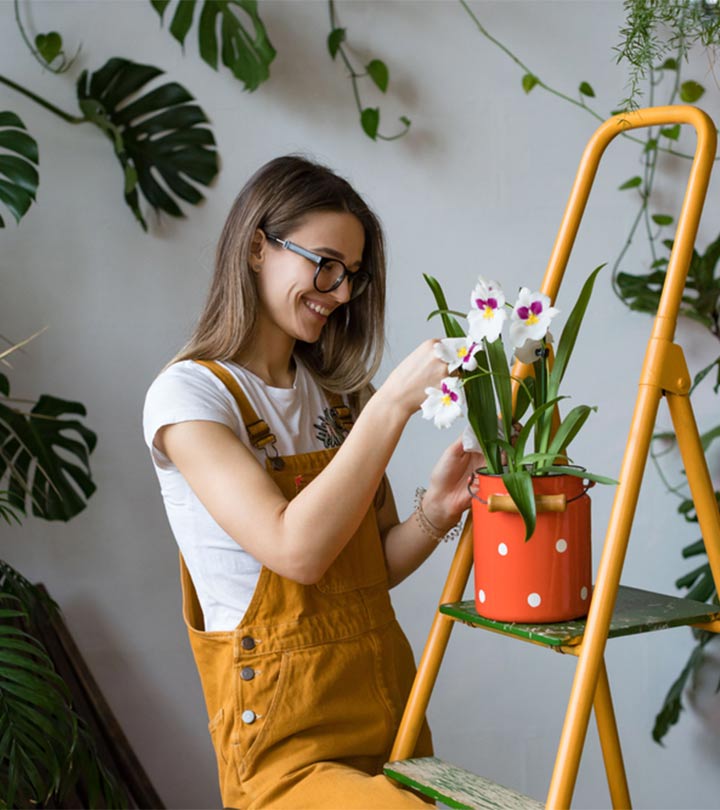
610 743
643 421
429 666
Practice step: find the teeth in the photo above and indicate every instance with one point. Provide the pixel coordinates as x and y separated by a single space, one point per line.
316 308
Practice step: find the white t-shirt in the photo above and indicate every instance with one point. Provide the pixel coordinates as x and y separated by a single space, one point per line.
223 573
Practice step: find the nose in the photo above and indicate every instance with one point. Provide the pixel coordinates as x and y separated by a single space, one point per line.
342 293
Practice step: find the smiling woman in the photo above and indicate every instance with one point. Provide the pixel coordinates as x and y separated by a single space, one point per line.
271 448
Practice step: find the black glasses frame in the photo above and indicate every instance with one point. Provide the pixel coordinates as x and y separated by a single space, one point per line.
358 280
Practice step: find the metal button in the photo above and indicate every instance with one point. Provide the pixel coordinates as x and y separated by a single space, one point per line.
248 716
247 643
247 673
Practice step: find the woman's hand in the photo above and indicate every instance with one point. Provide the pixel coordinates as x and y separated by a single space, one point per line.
447 496
421 369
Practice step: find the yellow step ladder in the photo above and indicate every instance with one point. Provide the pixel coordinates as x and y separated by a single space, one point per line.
614 610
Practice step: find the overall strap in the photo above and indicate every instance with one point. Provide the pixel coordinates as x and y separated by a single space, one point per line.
340 412
258 429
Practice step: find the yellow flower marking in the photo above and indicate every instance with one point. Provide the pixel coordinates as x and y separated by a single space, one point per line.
488 313
532 318
446 400
462 351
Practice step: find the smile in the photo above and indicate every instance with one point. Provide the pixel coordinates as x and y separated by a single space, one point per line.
324 311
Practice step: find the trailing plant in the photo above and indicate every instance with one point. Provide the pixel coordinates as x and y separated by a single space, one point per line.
375 69
655 42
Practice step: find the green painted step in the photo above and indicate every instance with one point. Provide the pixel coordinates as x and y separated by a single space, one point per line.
636 611
457 787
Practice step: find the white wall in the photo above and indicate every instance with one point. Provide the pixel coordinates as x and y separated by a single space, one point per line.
478 186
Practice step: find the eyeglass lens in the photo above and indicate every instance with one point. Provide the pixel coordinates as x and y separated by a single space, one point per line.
330 273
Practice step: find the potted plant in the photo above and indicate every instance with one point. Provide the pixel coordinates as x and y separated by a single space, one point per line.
531 513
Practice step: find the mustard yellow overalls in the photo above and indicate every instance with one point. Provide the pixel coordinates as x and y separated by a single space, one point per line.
305 695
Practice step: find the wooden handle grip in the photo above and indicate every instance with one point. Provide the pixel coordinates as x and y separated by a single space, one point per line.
543 503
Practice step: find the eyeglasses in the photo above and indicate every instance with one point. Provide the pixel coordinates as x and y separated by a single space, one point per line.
329 273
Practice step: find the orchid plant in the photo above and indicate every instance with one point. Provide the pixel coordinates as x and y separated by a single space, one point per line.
482 382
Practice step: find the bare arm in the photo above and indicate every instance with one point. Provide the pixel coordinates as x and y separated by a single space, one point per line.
447 497
301 538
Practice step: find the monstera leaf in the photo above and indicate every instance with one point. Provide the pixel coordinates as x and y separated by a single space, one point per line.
156 134
56 486
247 57
18 176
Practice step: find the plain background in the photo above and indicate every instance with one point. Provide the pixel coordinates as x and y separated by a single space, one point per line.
478 186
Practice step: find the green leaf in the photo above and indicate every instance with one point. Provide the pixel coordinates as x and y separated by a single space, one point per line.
633 182
446 311
525 396
501 381
520 488
18 176
529 80
662 219
691 91
49 46
378 72
335 39
35 450
247 53
370 120
672 705
709 437
569 335
569 428
534 419
156 137
650 145
405 120
577 472
452 327
672 133
586 90
669 64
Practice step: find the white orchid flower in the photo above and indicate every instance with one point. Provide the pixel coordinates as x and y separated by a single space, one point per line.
530 317
488 314
457 353
444 405
532 350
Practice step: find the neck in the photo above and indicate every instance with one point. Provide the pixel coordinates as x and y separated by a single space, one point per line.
270 357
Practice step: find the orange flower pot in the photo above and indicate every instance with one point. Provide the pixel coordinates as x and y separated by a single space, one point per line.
547 578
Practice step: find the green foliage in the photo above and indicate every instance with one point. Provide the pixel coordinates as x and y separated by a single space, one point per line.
49 46
370 121
654 30
159 132
691 91
335 39
35 453
18 176
633 182
586 90
378 72
247 55
529 80
701 297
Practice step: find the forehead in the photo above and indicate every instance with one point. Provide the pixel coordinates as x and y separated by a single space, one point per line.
338 230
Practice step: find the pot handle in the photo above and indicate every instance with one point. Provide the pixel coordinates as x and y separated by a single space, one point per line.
543 503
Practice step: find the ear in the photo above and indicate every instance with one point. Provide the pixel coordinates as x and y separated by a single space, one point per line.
257 250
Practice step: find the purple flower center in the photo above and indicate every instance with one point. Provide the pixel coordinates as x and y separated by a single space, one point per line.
482 303
524 312
469 354
449 393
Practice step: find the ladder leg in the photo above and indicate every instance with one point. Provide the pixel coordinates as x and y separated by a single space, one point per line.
434 651
602 604
696 469
610 743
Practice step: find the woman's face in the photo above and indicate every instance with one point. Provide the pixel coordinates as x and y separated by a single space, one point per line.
289 302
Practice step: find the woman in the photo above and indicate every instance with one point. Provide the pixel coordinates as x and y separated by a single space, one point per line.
287 528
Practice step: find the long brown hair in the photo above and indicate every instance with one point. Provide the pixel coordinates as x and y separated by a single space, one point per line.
276 199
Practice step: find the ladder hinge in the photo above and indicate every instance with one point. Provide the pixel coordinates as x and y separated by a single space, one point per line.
665 367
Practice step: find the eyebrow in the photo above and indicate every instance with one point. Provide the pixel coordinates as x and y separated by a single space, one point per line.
334 254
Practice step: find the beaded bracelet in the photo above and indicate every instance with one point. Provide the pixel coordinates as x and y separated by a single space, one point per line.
427 526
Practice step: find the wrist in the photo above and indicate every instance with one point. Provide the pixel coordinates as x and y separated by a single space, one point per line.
435 511
438 531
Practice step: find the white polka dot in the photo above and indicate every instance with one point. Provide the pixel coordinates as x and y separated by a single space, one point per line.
502 549
481 595
583 592
561 545
534 599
